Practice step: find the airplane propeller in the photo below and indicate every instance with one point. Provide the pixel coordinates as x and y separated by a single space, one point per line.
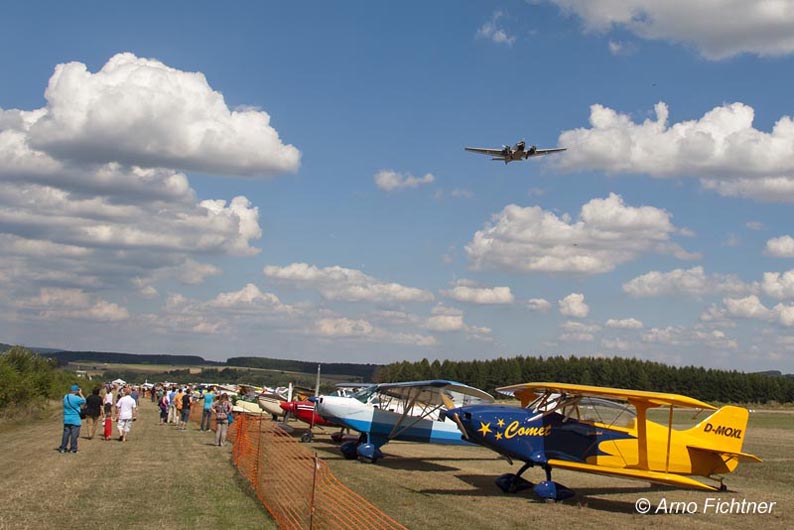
463 430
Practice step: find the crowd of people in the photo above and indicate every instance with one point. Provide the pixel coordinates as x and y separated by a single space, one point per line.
119 403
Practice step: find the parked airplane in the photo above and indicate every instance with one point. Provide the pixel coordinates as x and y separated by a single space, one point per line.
518 152
270 399
411 411
565 426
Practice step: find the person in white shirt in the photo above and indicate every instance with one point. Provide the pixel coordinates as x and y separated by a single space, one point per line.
108 401
127 412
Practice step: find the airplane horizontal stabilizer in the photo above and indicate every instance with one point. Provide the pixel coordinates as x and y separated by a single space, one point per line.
740 457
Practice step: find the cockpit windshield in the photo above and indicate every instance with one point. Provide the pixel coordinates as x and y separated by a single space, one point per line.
364 395
584 408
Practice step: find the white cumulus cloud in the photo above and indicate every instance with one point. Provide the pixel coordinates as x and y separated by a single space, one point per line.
539 304
465 291
491 30
94 181
717 29
351 285
574 306
389 180
141 112
607 233
778 285
624 323
692 282
722 148
781 247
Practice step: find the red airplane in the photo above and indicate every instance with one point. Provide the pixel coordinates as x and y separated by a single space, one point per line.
304 411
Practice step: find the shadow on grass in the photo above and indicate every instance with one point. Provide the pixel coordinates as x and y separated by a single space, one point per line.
485 486
393 461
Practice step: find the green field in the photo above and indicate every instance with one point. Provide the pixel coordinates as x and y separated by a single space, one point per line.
161 479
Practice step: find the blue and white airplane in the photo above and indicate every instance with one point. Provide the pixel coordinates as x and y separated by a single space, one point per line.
411 411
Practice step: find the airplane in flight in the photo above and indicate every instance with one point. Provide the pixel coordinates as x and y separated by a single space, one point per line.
605 431
518 152
410 411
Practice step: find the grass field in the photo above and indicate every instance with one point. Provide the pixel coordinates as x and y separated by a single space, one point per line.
431 486
162 478
159 478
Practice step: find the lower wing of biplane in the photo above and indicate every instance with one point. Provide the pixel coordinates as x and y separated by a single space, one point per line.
606 431
410 411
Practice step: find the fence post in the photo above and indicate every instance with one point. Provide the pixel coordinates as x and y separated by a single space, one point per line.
258 457
316 463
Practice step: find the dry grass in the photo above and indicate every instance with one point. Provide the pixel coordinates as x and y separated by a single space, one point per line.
160 478
431 486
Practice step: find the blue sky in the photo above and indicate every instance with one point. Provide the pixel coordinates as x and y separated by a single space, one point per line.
663 233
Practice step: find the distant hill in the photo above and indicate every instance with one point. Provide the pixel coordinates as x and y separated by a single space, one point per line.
65 357
365 371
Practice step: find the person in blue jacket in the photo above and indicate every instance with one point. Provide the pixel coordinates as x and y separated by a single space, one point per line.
71 419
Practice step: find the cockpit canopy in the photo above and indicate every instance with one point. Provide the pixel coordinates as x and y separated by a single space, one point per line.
584 408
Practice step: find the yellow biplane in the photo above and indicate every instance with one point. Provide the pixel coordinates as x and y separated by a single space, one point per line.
605 431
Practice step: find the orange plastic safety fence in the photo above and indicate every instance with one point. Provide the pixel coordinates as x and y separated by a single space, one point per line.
295 486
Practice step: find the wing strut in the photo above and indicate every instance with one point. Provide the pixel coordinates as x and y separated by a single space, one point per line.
642 432
669 436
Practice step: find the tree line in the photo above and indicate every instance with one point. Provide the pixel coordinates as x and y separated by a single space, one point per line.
713 385
363 371
28 381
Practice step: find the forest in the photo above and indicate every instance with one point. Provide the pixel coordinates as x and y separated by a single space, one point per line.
721 386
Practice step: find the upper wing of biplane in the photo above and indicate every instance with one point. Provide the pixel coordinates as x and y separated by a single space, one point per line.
527 392
437 392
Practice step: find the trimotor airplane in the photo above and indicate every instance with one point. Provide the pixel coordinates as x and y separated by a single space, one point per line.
410 411
605 431
518 152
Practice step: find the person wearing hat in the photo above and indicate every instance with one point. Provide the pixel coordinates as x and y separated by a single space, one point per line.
71 419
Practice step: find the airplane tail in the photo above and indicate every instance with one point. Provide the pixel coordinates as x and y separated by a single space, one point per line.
723 433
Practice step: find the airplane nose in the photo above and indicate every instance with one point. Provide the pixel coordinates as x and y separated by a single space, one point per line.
315 399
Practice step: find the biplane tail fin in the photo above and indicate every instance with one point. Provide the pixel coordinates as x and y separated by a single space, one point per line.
723 431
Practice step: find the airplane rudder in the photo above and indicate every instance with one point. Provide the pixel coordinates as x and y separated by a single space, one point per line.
725 428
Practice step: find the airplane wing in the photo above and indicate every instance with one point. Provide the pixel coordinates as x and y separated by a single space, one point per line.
541 152
527 392
483 151
658 477
437 392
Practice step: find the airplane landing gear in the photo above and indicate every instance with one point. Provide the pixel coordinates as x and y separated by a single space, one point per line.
307 437
552 491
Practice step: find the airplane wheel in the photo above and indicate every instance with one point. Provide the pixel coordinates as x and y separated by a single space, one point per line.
307 437
275 418
369 460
